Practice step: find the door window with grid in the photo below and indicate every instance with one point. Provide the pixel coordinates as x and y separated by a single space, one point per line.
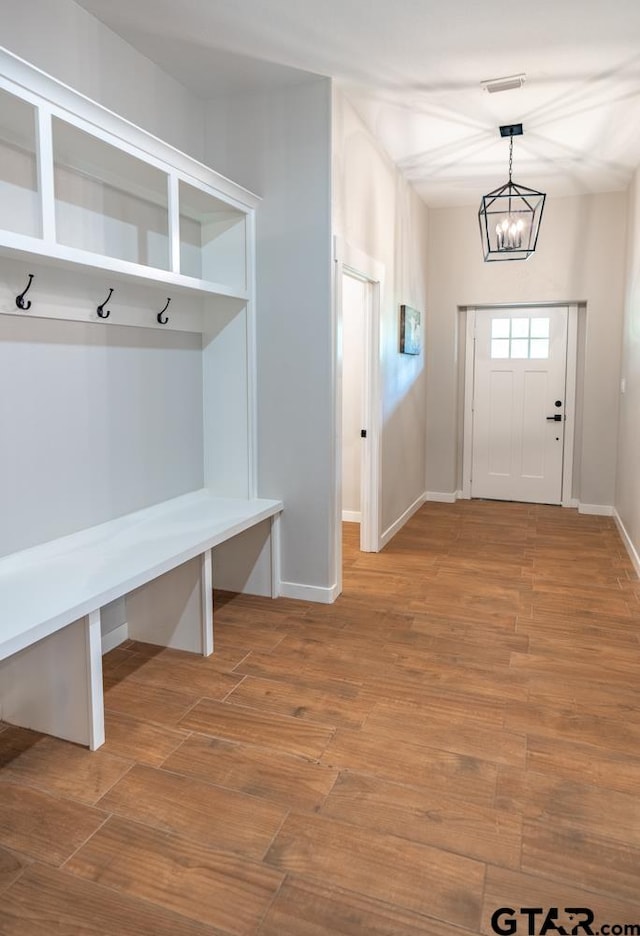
520 338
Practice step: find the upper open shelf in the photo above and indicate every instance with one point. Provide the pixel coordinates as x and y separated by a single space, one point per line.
108 202
213 239
20 210
82 187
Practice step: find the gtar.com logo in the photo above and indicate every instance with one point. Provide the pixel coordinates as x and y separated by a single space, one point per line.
564 921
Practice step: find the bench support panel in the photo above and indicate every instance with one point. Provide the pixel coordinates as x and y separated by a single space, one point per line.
176 609
55 686
206 597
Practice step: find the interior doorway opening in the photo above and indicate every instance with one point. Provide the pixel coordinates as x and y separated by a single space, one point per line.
358 428
358 290
356 305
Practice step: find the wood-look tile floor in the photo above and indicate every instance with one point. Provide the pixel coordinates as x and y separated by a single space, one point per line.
459 732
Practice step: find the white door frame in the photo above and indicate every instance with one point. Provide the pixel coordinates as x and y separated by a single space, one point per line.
570 393
353 262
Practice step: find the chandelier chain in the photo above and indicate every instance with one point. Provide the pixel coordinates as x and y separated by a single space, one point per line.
510 155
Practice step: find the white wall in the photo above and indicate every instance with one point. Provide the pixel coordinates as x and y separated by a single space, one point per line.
104 419
128 390
277 143
378 213
64 40
354 298
96 421
628 476
580 257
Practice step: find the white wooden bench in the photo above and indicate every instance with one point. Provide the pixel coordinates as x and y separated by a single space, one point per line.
51 596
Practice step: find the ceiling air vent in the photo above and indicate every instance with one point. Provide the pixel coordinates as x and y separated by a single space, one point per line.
492 85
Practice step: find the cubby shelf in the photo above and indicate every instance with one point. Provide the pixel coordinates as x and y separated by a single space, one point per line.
90 203
82 188
22 247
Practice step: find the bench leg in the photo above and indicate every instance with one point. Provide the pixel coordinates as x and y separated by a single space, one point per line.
276 575
55 686
95 686
206 583
176 609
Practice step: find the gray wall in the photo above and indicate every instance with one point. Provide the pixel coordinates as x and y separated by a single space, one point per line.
277 144
95 421
67 42
89 417
628 476
580 257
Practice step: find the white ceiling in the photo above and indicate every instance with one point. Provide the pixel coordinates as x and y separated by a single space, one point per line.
412 69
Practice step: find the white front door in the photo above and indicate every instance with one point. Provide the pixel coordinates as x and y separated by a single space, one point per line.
519 404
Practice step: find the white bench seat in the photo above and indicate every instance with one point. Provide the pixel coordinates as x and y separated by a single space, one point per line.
51 596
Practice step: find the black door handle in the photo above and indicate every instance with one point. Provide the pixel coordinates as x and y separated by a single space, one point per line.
556 418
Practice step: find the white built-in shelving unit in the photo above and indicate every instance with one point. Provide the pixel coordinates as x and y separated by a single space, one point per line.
103 225
98 209
83 188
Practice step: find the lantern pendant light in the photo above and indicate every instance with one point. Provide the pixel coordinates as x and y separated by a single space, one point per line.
510 215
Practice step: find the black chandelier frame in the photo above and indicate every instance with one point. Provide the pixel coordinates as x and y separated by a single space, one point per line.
517 202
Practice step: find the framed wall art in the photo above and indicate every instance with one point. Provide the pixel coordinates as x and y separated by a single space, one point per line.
410 330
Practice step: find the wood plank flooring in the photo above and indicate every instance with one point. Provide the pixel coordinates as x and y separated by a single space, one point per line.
459 732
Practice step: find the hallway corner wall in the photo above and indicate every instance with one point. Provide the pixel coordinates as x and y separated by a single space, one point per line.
627 501
377 212
276 142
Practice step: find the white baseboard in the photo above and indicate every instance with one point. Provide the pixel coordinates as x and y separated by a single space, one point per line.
442 497
571 502
115 637
309 592
351 516
628 542
391 531
598 510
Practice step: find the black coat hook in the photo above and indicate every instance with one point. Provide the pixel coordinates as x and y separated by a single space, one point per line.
102 312
20 299
163 321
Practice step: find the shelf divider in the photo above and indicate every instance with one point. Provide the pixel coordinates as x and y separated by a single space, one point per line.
174 223
45 174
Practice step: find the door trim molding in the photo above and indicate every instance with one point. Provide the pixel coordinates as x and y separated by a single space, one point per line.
570 406
570 393
469 378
